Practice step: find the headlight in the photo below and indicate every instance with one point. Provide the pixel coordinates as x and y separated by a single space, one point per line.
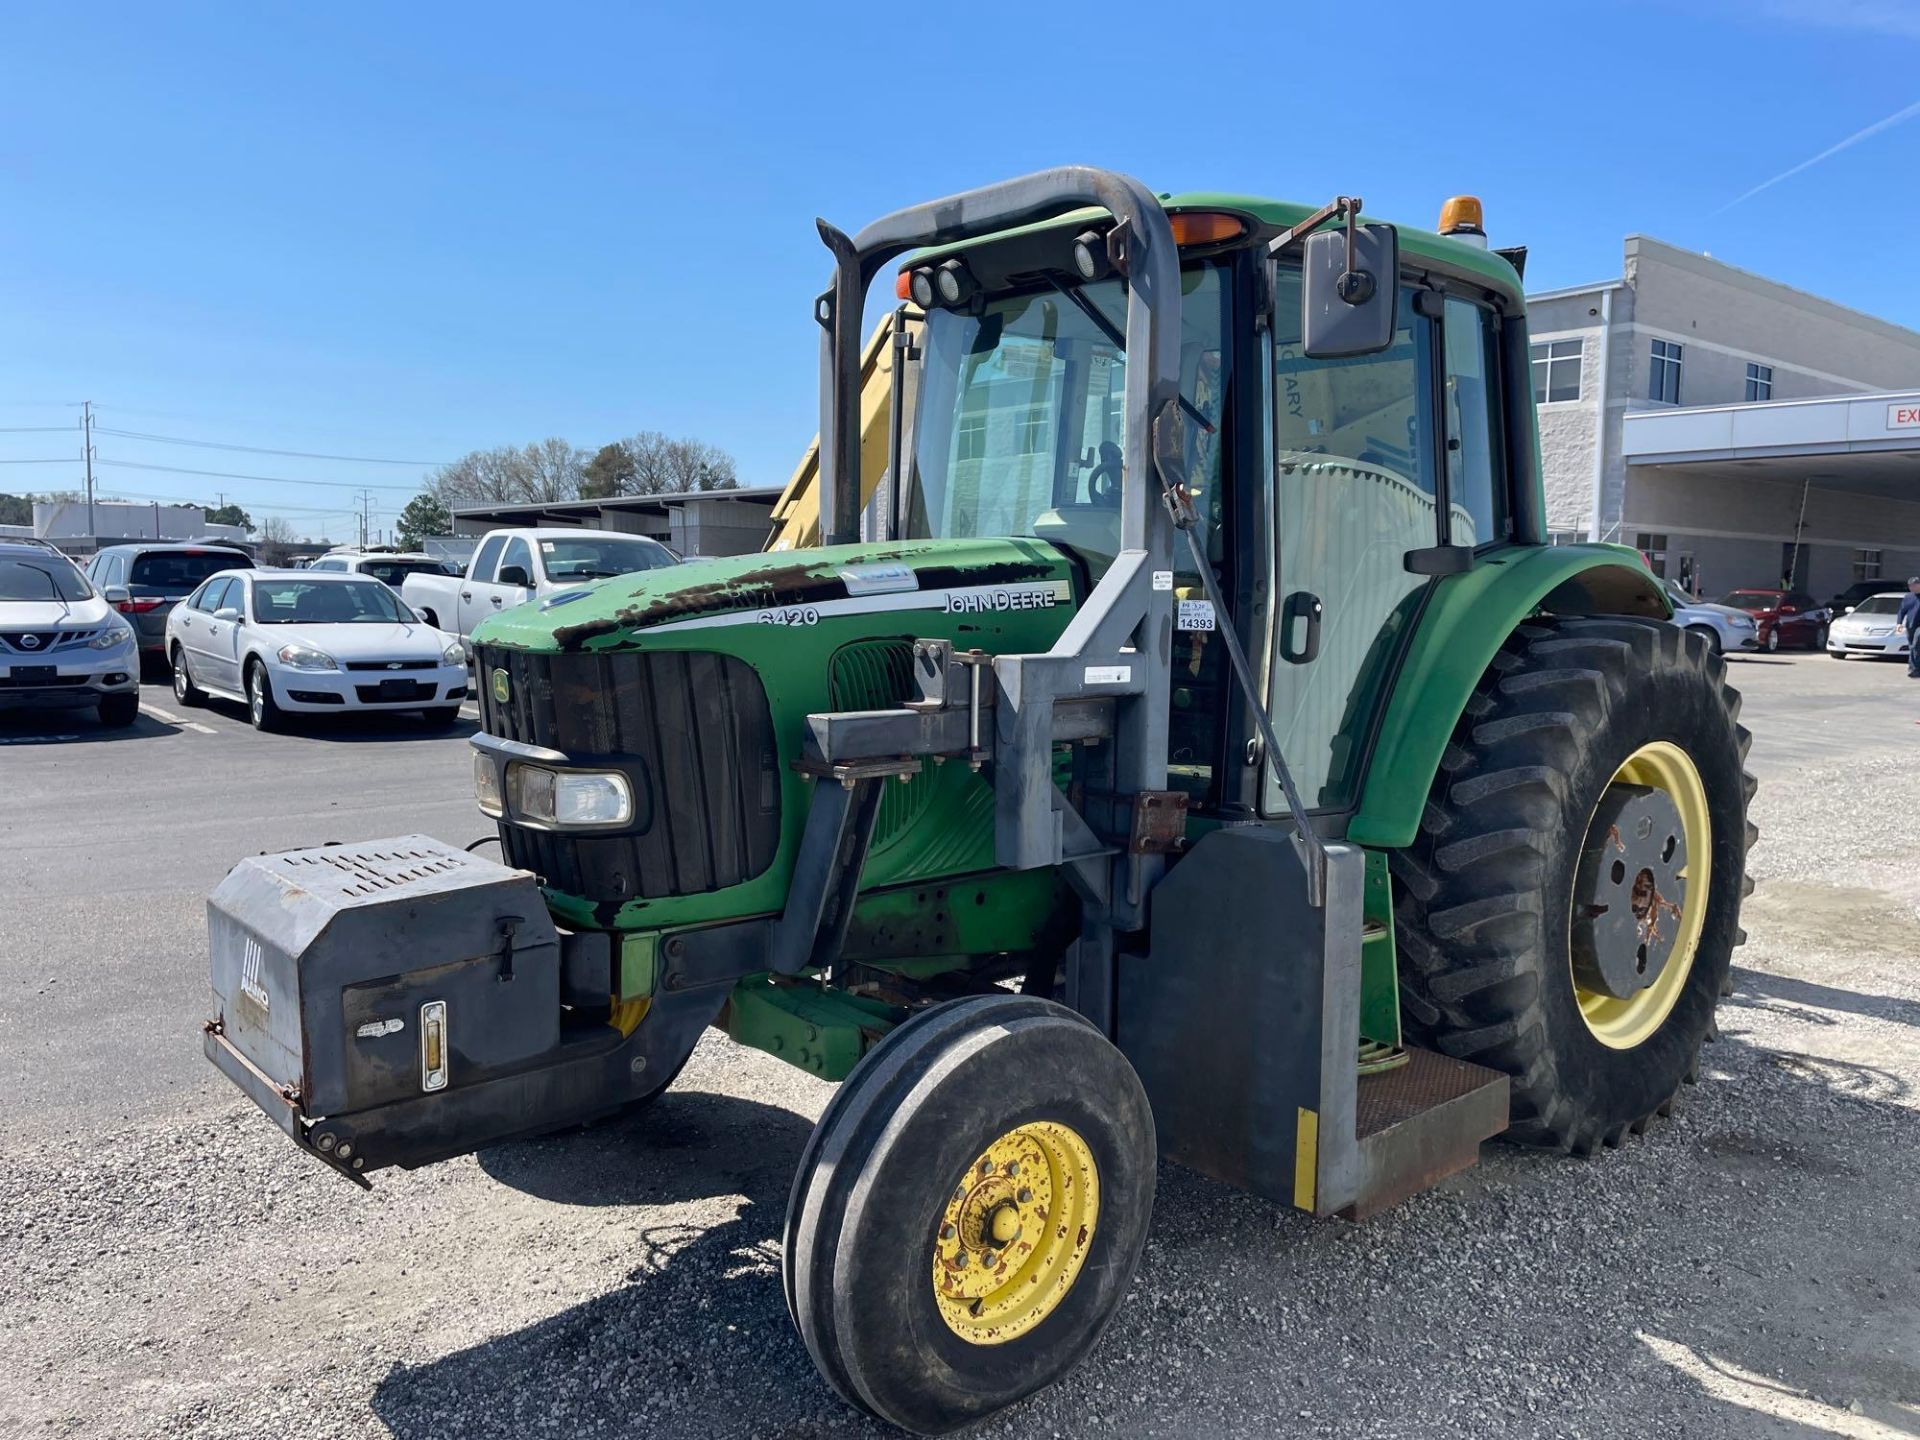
453 655
115 634
305 657
486 787
563 798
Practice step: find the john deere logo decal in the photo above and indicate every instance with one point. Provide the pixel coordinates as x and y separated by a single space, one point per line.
500 687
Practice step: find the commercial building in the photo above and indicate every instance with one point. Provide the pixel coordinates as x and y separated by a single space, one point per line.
1737 431
700 522
78 528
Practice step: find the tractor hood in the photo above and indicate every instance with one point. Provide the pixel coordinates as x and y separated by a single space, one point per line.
800 588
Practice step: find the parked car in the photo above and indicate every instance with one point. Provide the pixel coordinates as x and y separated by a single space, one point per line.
144 582
62 647
390 568
1870 628
511 567
1724 627
1786 619
1855 593
292 641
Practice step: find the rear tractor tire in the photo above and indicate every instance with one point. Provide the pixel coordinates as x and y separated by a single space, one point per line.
968 1214
1569 911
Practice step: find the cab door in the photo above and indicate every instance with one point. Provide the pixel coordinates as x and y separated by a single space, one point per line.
477 590
1374 458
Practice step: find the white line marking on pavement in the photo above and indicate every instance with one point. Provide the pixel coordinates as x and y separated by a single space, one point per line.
180 720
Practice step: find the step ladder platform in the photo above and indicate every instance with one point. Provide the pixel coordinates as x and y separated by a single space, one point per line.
1420 1122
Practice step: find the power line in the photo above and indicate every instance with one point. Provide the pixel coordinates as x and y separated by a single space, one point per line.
258 449
51 460
267 479
353 514
34 429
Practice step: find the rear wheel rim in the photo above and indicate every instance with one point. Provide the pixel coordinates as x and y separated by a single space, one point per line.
1015 1232
1626 1024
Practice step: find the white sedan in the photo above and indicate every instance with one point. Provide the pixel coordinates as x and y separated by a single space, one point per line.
292 641
1870 628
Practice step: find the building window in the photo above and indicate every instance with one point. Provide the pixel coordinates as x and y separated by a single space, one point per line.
1866 564
1556 371
1759 381
1654 547
971 438
1664 378
1030 431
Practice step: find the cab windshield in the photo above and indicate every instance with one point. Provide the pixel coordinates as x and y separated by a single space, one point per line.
1020 422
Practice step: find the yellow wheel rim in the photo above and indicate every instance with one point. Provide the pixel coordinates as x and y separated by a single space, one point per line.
1015 1232
1623 1024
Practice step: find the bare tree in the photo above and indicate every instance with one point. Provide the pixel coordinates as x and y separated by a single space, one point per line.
275 534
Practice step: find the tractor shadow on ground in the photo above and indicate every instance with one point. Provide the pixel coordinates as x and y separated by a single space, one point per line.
1240 1302
1783 994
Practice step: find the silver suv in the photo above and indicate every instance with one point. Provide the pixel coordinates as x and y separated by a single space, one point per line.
61 645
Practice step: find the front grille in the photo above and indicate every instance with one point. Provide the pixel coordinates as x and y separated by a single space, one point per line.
878 675
695 725
392 692
40 642
391 664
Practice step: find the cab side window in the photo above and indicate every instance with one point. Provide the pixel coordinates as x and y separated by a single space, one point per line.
1476 474
518 554
485 557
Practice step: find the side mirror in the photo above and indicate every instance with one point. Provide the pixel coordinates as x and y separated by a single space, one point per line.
514 575
117 595
1348 309
227 612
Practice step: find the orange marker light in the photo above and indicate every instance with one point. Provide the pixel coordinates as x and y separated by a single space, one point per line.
1461 216
903 285
1205 227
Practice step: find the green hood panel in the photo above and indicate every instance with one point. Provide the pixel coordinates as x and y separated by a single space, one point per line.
794 590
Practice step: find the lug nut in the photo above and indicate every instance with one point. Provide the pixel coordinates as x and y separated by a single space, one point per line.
986 1167
1024 1196
990 1259
947 1232
960 1261
345 1151
1013 1168
325 1142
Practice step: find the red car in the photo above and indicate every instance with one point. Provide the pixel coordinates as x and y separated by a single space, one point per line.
1785 619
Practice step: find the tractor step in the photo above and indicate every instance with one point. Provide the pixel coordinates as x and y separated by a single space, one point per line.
1420 1122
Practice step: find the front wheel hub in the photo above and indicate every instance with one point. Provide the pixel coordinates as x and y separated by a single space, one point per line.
1630 891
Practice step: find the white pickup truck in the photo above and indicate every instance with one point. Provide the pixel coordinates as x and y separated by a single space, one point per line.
510 567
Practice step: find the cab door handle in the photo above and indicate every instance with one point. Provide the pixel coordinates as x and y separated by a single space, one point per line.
1300 616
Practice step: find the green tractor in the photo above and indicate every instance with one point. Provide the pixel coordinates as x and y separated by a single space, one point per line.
1205 757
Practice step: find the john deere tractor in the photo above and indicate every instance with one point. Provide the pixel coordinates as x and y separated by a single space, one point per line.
1203 756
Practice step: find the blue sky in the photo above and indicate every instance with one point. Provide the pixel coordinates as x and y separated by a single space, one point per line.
410 231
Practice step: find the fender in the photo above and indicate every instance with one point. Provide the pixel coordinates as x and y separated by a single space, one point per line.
1467 619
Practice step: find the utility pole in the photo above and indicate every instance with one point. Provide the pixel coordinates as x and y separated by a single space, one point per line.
86 449
366 517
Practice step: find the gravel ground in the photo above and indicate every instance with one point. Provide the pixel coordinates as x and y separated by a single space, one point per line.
1747 1269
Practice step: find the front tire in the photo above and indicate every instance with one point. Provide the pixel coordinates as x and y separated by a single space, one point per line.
119 711
968 1214
1581 727
441 717
262 709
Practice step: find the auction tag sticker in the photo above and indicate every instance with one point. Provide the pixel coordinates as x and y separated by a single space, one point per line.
1194 615
1163 579
1109 674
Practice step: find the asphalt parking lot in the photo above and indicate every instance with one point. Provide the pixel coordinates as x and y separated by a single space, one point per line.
169 1265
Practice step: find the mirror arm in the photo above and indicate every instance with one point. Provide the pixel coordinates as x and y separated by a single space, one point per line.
1346 206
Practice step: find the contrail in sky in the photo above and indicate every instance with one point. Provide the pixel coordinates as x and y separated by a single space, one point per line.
1854 139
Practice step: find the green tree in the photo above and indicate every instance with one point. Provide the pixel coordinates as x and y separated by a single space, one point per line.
16 509
609 472
228 515
423 516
